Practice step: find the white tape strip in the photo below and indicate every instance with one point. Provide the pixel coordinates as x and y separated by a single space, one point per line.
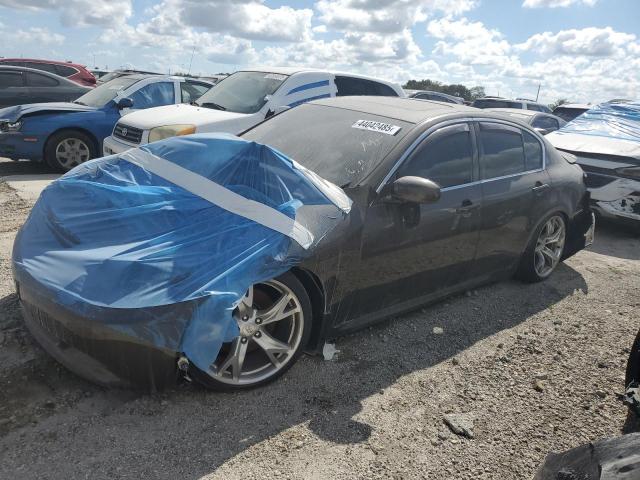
220 196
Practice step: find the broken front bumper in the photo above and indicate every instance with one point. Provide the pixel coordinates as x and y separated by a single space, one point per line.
101 351
619 198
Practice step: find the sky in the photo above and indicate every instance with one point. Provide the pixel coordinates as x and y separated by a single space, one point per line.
580 50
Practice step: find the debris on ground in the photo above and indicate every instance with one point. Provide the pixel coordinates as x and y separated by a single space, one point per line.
329 351
460 423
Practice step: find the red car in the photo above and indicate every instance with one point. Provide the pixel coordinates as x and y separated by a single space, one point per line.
73 71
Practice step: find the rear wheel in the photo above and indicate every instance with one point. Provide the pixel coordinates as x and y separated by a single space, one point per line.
68 149
274 319
545 251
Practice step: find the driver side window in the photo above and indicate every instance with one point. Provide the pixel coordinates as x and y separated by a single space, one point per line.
154 95
445 157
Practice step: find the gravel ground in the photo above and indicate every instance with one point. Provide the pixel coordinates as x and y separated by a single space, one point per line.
532 368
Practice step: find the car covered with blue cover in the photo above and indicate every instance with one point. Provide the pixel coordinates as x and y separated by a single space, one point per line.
67 134
605 142
223 258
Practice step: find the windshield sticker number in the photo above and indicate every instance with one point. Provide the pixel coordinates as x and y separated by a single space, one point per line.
374 126
275 76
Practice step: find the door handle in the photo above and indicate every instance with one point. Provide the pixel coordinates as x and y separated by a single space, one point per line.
539 188
466 208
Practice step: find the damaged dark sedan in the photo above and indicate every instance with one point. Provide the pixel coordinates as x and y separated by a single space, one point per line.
222 258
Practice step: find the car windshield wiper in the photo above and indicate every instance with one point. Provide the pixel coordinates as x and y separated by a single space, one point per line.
212 105
80 103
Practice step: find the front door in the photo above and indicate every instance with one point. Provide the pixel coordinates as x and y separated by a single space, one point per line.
411 252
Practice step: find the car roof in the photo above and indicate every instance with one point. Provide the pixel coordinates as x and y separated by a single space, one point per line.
294 70
40 60
575 105
409 110
516 111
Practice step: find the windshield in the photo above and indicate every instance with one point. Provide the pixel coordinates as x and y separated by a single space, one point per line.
242 92
103 94
327 141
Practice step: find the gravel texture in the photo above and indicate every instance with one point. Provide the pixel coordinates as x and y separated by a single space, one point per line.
528 368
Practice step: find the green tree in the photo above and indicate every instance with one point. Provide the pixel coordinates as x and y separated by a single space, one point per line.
557 103
456 90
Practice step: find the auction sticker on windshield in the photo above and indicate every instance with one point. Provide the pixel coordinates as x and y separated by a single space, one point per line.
374 126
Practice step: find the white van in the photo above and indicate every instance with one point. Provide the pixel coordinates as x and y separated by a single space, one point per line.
239 102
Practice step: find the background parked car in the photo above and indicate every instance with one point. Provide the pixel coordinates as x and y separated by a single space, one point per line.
67 134
437 96
73 71
20 85
98 73
499 102
121 72
243 100
605 142
569 111
543 123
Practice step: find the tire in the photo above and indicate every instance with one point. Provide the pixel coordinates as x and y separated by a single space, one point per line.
530 269
260 366
76 146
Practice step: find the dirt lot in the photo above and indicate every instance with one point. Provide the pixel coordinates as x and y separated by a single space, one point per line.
536 368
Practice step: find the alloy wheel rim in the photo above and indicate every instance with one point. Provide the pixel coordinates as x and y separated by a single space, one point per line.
549 246
271 322
71 152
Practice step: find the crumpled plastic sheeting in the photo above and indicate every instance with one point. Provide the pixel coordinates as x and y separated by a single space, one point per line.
110 233
615 120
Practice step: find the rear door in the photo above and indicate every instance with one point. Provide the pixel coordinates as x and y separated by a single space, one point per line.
42 88
12 89
410 251
516 191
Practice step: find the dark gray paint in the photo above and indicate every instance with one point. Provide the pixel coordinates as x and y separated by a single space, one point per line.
64 91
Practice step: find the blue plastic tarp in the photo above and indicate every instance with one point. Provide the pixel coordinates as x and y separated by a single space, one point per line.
613 120
197 218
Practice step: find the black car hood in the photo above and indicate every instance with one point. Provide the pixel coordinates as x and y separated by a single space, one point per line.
13 114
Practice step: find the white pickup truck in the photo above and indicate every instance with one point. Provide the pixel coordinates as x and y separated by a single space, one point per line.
239 102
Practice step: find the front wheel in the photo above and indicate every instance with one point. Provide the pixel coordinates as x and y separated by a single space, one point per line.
545 251
274 322
68 149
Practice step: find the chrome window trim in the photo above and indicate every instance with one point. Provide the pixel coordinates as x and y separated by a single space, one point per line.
448 123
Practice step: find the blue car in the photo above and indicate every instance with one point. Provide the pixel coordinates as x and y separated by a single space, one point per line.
67 134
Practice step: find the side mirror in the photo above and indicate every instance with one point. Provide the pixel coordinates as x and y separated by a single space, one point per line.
412 190
276 110
123 103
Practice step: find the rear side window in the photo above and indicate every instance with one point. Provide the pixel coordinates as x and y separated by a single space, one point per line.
502 151
548 123
360 86
495 103
64 71
154 95
10 79
532 151
191 91
45 67
13 63
446 157
37 80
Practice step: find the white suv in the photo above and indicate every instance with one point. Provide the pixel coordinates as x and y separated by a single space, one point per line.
241 101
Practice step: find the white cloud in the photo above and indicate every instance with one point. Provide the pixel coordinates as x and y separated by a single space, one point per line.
469 42
598 42
78 12
38 35
556 3
385 16
249 19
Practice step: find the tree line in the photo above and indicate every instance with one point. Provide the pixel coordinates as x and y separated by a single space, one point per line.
456 90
